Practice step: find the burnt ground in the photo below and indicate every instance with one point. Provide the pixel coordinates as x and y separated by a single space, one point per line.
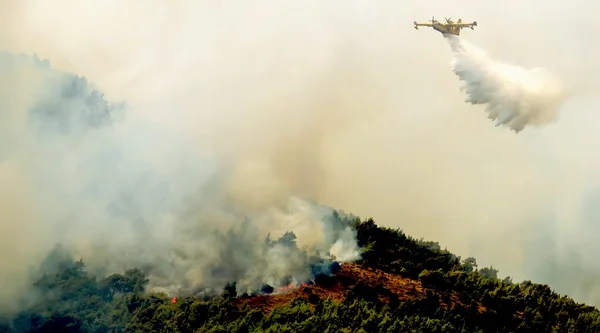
389 287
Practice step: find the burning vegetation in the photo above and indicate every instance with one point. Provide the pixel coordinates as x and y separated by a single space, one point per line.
336 286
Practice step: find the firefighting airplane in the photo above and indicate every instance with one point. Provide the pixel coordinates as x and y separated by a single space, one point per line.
447 28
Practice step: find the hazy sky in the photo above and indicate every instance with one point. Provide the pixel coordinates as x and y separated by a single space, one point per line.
345 102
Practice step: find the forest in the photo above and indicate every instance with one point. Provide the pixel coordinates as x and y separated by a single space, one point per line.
401 284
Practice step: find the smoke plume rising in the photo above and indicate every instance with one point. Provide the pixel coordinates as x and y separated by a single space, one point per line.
248 104
120 192
513 96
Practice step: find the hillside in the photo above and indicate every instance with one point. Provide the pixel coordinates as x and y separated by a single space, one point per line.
390 288
378 285
400 285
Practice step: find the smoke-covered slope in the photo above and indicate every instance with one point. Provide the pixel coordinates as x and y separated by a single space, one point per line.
121 191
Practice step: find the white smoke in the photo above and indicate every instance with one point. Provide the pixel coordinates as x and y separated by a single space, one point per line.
514 96
120 191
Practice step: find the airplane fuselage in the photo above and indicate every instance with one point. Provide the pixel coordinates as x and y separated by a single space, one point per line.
444 29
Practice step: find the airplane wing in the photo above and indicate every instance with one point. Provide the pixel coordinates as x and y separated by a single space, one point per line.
461 24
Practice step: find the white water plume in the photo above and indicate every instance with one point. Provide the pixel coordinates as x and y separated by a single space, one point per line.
513 96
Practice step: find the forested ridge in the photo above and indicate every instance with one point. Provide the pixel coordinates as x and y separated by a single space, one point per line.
401 284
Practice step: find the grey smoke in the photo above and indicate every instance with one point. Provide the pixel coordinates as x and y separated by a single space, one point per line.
120 191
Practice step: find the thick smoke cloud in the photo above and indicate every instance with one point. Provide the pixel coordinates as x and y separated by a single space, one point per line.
344 102
513 96
120 193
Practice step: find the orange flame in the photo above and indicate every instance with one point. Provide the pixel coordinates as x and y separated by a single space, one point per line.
289 287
